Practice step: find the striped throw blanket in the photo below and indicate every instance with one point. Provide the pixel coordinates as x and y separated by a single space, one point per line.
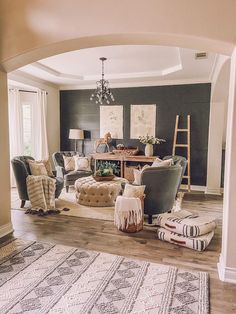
41 192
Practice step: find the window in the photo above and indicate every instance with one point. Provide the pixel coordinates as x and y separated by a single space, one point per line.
27 128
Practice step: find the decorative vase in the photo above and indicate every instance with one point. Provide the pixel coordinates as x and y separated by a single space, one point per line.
149 150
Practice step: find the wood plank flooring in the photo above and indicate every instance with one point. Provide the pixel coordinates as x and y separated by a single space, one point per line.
102 236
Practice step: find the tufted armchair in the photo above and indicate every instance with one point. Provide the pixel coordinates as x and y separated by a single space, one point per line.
69 177
21 170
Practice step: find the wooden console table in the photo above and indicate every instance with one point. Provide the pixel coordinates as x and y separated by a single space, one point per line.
124 162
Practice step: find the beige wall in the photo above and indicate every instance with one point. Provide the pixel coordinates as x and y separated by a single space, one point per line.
5 220
69 25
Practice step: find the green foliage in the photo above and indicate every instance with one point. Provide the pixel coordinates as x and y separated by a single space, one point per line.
112 167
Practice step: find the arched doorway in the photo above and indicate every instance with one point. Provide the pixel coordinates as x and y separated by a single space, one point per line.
92 41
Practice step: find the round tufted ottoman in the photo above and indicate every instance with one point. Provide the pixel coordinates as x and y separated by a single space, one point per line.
89 192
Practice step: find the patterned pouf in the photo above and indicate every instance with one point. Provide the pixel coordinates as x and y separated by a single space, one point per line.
89 192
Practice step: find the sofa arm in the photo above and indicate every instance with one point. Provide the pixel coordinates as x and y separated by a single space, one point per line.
60 172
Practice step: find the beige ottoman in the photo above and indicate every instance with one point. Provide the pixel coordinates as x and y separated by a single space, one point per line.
89 192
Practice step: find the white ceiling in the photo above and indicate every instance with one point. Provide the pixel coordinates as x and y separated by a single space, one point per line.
125 66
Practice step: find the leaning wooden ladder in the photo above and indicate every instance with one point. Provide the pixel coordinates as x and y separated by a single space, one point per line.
186 145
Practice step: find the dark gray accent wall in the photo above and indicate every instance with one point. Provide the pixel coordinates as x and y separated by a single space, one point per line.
76 111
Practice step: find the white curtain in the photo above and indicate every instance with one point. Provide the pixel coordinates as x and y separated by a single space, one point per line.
39 128
15 127
39 143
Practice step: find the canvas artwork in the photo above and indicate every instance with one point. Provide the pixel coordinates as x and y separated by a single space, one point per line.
142 120
111 120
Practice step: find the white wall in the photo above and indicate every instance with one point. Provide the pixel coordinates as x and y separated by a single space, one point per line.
217 125
53 108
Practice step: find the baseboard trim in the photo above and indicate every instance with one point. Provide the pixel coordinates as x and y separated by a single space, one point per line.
213 191
6 229
226 274
199 188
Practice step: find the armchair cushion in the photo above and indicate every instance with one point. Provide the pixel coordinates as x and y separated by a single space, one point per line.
76 174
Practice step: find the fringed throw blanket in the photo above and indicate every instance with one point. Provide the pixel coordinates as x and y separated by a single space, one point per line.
128 211
41 192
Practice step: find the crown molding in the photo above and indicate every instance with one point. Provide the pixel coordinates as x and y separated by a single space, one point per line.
22 77
137 84
129 75
55 73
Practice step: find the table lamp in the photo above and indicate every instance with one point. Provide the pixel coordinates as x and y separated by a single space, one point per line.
76 134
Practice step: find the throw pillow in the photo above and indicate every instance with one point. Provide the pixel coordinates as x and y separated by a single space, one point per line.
69 163
47 165
82 163
37 168
137 174
134 191
163 163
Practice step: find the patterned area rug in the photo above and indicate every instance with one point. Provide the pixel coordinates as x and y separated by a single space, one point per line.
45 278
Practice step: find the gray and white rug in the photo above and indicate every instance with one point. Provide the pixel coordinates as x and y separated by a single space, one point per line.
40 277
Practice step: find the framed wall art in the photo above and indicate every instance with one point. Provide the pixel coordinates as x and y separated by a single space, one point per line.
142 120
111 120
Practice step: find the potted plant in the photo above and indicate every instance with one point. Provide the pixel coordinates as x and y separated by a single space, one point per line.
105 171
149 141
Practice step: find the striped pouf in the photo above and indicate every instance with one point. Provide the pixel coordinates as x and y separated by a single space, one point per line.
196 243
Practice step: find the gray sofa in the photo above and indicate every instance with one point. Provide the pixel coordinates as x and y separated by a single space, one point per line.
21 170
69 177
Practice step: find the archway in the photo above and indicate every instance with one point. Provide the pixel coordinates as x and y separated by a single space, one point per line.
43 51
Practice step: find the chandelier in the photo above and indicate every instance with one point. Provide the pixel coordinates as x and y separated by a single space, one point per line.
103 92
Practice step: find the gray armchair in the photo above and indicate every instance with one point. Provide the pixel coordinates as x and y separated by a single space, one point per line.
181 161
161 188
21 171
69 177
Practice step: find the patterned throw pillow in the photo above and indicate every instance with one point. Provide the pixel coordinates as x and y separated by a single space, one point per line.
82 163
134 191
37 168
69 163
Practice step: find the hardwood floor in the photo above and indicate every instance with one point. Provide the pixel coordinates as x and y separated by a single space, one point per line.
102 236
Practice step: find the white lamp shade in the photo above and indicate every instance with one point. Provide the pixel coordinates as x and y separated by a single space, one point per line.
76 134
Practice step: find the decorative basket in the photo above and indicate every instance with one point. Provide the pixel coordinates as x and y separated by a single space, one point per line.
105 178
126 151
